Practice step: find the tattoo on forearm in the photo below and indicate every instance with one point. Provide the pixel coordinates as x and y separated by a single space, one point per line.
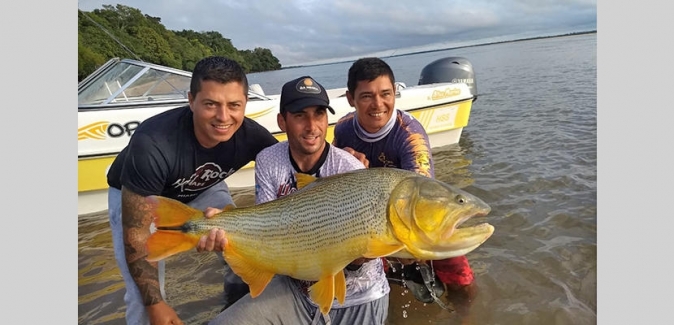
136 220
145 275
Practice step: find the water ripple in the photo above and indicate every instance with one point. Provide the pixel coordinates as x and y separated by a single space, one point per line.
529 151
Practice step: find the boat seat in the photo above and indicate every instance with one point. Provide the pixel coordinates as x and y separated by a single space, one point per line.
256 88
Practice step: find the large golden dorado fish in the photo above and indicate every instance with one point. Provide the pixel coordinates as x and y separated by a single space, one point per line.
329 222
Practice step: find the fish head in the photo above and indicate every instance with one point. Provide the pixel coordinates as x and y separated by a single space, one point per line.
424 215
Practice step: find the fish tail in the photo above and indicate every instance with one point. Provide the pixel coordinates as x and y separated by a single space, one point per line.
169 213
165 243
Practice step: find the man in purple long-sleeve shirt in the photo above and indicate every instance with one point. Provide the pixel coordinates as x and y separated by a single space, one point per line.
391 138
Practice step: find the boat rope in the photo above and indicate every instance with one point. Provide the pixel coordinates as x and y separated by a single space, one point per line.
110 34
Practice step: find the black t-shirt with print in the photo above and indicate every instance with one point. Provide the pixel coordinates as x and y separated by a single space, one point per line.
164 158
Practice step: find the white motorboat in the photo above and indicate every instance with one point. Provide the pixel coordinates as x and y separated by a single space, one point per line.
122 93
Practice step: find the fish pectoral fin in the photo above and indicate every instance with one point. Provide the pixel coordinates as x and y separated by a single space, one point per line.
169 212
164 243
303 179
377 248
340 287
256 278
323 292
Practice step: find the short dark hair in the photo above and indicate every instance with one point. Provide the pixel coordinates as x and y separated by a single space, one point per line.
220 69
368 69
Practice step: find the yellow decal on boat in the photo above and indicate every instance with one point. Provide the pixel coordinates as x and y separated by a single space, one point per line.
103 129
260 113
444 117
96 131
449 92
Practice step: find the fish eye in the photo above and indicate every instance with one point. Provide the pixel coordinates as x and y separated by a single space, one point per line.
460 199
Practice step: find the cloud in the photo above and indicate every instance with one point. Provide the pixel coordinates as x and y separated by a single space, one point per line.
304 31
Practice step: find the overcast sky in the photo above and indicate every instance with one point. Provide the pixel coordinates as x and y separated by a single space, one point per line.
314 31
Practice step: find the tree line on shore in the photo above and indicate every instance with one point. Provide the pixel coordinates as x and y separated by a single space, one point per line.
125 32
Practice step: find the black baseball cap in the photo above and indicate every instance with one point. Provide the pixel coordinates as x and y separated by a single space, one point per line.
303 92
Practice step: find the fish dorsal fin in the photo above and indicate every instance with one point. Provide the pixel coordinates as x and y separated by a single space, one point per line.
229 207
303 180
377 248
323 293
253 275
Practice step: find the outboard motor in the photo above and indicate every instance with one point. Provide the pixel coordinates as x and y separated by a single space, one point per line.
450 69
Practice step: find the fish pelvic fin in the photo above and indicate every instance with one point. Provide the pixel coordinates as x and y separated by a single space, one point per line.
323 292
340 287
229 207
165 243
256 278
378 248
171 213
303 179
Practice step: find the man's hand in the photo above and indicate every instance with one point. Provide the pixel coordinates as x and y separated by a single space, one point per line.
359 155
215 240
162 314
210 212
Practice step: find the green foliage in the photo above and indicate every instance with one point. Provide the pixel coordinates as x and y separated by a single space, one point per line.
125 32
87 60
261 59
216 43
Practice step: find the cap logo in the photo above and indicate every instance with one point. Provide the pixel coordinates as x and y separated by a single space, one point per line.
308 86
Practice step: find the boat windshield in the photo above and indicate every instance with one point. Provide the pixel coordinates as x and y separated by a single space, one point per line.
130 83
133 82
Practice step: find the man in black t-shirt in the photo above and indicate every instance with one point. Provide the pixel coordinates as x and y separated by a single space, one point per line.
185 154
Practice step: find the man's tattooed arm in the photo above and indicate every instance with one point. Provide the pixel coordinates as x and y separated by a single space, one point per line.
136 220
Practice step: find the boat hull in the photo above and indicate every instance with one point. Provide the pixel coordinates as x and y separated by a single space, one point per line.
443 123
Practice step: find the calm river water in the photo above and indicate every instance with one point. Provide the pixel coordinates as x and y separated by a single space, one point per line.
529 151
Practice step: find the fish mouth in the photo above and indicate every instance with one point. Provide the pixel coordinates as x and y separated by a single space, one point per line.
459 243
459 224
456 238
462 242
466 237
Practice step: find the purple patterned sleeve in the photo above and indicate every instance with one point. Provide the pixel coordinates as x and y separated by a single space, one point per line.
415 148
264 183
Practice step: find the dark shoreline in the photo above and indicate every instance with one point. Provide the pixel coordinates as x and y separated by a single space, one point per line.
452 48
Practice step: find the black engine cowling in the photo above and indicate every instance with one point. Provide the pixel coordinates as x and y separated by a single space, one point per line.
451 69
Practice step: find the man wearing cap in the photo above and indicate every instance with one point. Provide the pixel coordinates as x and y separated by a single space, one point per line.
303 116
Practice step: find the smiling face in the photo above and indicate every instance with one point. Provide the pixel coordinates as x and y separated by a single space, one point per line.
374 101
218 110
306 131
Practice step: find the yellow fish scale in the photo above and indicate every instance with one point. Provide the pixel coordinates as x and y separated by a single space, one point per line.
326 229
